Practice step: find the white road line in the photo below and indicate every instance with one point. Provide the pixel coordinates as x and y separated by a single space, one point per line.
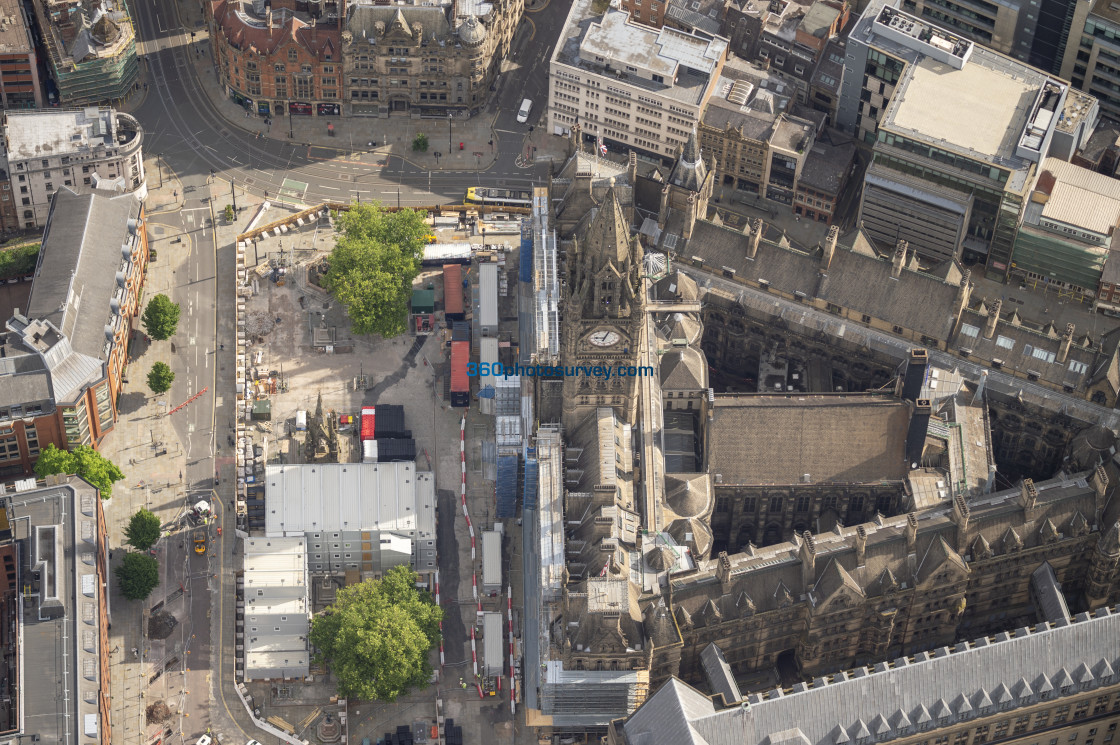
332 188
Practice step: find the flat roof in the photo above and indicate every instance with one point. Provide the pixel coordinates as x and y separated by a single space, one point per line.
14 38
488 294
978 107
42 134
491 558
59 655
319 497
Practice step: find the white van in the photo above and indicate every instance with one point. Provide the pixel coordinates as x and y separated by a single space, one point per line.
523 112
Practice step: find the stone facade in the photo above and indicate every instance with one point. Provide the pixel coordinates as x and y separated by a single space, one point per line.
425 61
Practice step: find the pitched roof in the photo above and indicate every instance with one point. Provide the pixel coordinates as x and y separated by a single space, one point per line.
683 369
842 439
855 280
915 690
690 171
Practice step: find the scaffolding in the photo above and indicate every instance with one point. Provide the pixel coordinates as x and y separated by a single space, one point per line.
100 66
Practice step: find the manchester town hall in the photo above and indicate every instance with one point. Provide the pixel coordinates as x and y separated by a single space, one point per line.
817 479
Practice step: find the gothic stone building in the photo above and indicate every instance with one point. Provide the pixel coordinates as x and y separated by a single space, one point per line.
426 59
935 553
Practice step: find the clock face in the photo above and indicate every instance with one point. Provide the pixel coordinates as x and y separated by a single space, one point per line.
605 338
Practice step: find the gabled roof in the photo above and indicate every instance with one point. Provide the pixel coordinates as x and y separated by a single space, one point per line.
938 555
833 579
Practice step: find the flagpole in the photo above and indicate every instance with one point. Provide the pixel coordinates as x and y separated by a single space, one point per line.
598 140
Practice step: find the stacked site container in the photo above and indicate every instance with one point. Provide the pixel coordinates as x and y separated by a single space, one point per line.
453 292
369 428
460 383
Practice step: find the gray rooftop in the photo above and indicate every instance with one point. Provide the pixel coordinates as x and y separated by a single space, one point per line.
60 654
890 701
48 134
14 36
685 61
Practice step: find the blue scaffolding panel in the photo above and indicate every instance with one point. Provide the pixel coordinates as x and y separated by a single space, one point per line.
525 265
529 493
506 486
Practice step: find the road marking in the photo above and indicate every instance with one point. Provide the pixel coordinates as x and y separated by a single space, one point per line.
191 342
331 188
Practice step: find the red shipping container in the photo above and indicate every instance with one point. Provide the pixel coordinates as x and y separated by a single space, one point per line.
368 429
460 383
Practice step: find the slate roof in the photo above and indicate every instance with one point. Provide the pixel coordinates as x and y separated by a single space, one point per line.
719 674
826 166
777 440
957 684
683 369
80 257
690 171
915 300
363 19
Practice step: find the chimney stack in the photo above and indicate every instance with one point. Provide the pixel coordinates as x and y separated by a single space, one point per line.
632 168
663 213
915 375
1028 494
269 22
830 245
978 397
1067 339
911 533
899 259
993 319
1099 481
861 545
808 560
723 571
964 294
961 515
916 434
756 236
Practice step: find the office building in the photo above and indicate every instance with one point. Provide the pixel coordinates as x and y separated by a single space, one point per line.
93 148
959 132
635 87
55 594
750 135
367 517
1054 681
1092 57
91 50
63 356
277 617
1068 228
19 67
428 58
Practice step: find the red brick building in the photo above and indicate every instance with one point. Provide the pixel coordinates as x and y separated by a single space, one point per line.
279 63
61 370
19 73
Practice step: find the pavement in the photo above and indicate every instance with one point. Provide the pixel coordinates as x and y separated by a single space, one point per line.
460 144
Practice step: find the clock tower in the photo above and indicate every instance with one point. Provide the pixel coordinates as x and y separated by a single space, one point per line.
603 314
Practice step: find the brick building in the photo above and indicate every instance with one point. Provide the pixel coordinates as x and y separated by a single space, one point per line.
61 369
276 61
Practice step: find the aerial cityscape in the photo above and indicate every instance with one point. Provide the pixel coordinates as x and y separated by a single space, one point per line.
545 372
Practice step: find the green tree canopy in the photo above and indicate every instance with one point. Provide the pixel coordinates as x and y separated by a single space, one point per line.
160 318
143 530
138 575
420 143
82 460
373 265
377 636
160 377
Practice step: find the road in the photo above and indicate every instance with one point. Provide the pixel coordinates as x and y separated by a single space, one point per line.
199 151
183 126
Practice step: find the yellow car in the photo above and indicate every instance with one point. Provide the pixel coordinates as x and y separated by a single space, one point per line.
200 545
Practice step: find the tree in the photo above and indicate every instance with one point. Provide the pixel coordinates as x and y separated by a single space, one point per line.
160 317
420 143
143 530
83 461
138 575
160 377
377 636
373 265
229 213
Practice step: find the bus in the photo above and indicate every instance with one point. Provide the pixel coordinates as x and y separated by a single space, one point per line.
500 197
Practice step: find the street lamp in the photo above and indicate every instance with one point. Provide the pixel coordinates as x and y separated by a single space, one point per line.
291 127
159 167
449 132
233 192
